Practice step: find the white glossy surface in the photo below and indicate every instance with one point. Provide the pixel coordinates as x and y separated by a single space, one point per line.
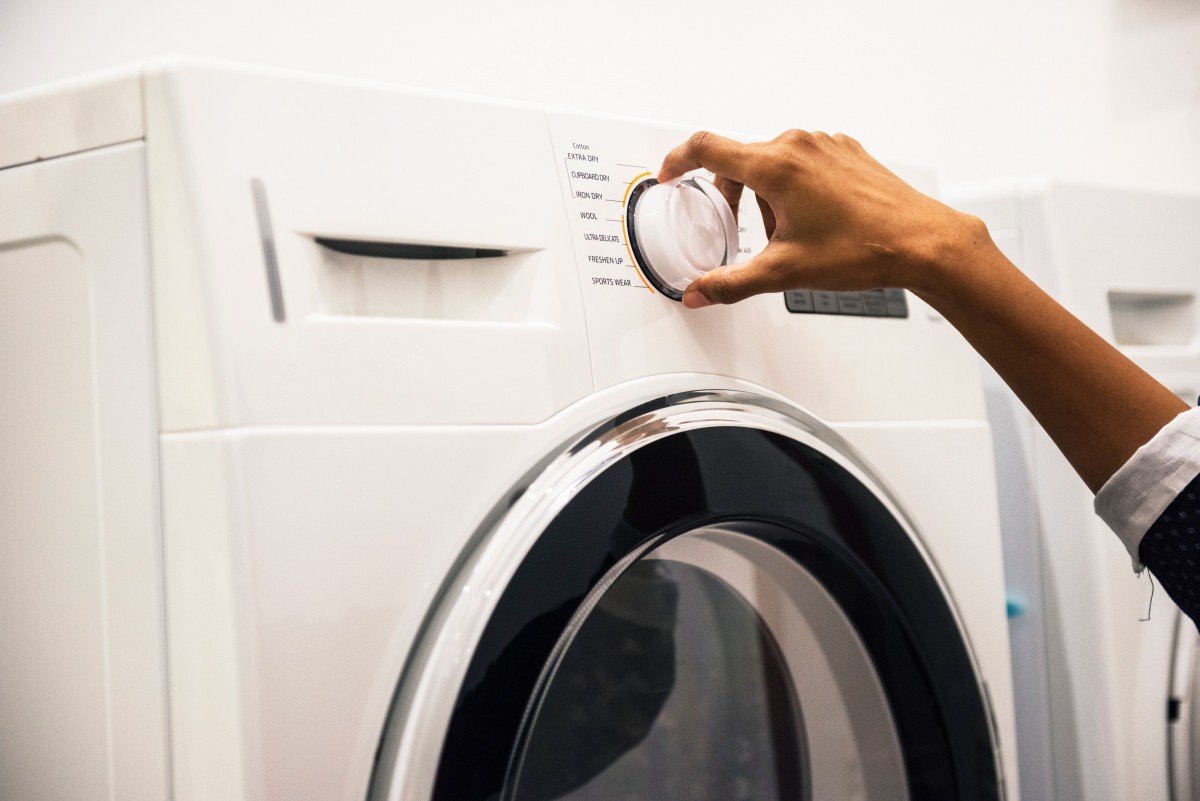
321 475
345 160
71 117
82 669
635 331
510 347
515 352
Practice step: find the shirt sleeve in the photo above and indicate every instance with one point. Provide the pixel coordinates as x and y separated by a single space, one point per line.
1171 550
1142 489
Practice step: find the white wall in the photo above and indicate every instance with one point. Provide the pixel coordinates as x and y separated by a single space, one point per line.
1102 89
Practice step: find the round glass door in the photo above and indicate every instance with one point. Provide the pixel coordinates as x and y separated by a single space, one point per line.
689 675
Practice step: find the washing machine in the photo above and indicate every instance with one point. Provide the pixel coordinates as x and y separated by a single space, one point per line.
1102 664
358 447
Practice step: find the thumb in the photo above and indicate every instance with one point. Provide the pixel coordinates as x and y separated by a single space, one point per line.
764 273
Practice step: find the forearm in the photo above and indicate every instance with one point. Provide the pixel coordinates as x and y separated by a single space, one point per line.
837 219
1097 405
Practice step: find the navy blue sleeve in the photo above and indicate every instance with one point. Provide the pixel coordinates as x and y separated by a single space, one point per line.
1171 550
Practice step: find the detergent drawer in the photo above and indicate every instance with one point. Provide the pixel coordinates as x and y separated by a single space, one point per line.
337 253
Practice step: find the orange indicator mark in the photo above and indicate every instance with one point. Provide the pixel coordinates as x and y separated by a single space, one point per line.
629 186
624 237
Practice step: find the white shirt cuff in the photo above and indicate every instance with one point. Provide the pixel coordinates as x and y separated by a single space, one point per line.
1154 476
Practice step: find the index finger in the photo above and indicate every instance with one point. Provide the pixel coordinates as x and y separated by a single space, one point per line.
731 190
722 156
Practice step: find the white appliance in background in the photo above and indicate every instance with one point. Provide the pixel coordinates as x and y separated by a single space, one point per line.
1103 698
354 447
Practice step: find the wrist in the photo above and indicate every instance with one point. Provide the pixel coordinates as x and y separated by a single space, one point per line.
948 256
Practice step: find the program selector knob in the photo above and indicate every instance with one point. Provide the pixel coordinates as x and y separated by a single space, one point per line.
679 230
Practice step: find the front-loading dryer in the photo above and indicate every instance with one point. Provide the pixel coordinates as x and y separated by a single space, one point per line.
1103 707
358 447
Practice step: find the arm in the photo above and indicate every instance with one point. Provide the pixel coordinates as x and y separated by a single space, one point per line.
1097 405
838 220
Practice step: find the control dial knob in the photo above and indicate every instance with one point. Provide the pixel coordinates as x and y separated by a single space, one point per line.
679 230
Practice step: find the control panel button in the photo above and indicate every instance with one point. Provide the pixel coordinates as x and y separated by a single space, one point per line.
850 303
896 303
679 230
825 302
799 300
872 303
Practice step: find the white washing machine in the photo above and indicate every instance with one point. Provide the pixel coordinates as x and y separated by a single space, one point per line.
1103 697
351 452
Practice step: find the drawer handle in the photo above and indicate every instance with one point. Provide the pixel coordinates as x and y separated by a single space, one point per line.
407 251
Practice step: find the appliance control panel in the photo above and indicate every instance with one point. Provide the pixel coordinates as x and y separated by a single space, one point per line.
633 235
872 303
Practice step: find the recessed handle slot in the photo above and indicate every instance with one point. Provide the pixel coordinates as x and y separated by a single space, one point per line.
1154 317
405 280
407 251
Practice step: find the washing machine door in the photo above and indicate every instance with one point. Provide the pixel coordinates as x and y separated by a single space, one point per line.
713 603
1183 713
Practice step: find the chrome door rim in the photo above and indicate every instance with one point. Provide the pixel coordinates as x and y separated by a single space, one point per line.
421 708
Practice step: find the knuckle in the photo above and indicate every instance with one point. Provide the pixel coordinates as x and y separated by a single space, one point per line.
796 137
977 227
843 139
700 140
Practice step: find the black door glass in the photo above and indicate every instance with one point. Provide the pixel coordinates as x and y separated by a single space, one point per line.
672 687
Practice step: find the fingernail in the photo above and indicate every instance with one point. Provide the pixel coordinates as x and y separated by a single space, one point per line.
695 299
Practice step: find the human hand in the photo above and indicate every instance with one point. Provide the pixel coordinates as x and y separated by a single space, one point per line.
836 219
